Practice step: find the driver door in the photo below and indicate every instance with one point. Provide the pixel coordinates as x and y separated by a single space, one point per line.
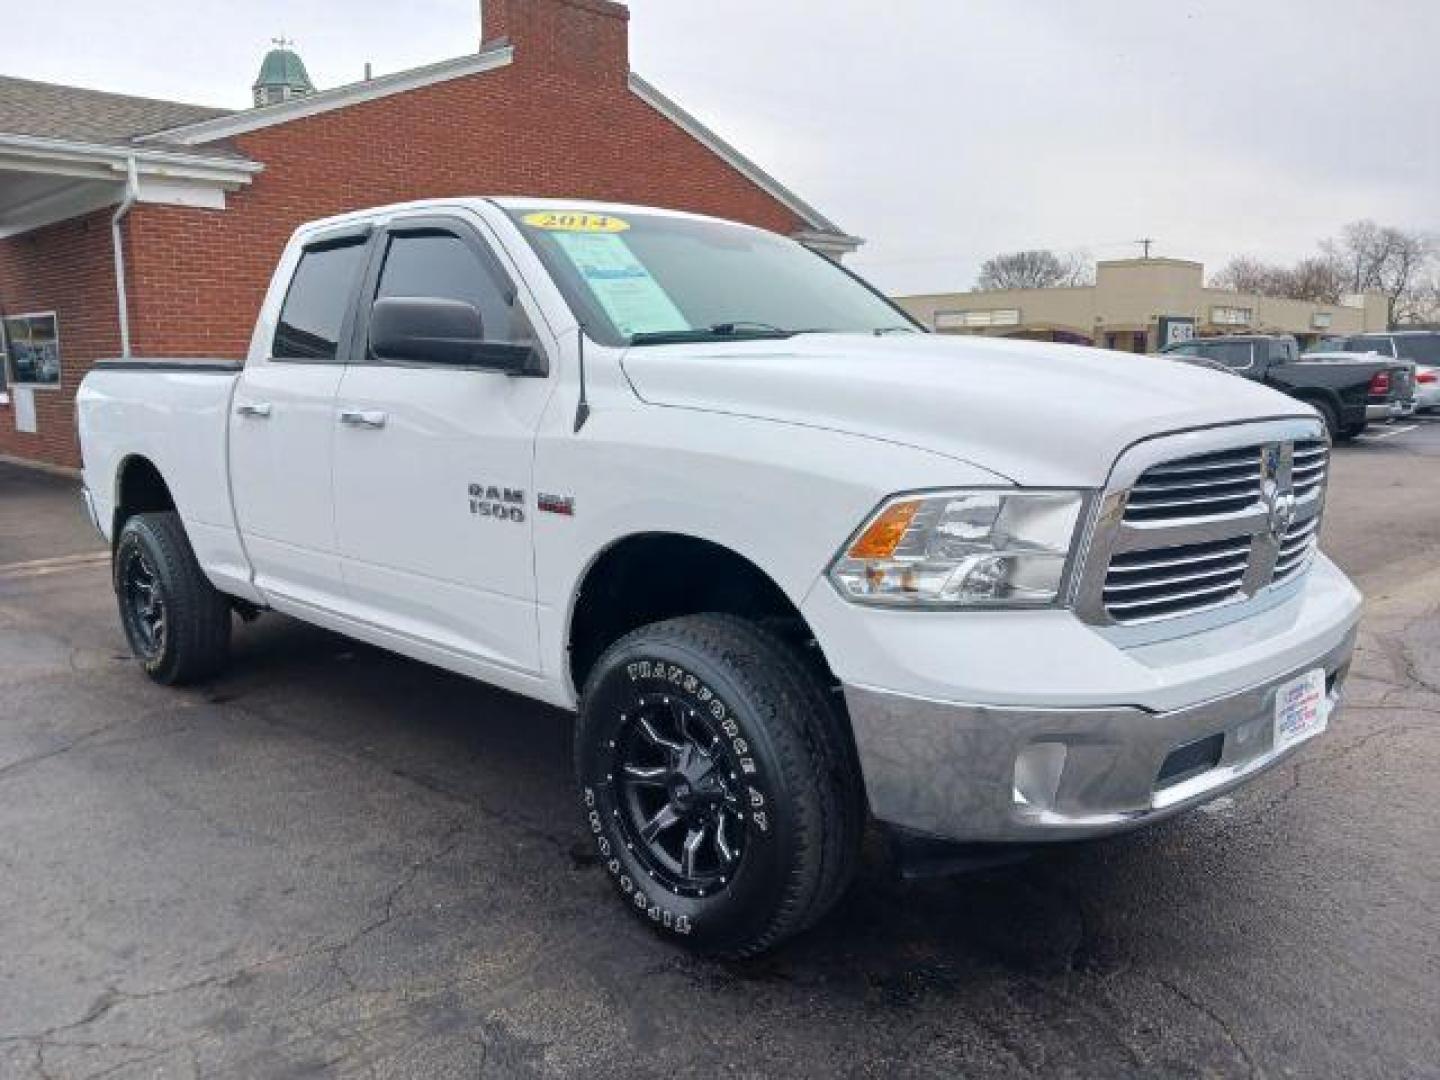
433 462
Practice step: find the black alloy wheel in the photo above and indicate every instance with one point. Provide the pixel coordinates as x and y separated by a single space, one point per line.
718 783
142 603
175 620
679 795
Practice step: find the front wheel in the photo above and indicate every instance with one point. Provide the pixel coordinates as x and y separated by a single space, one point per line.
176 622
716 783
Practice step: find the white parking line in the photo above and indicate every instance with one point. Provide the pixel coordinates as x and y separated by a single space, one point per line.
1374 436
41 567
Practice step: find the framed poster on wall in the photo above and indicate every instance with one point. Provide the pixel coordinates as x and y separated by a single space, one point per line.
32 349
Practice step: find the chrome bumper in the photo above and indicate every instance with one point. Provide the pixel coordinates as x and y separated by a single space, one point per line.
950 770
1391 410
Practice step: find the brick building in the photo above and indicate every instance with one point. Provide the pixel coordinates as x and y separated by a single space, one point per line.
202 200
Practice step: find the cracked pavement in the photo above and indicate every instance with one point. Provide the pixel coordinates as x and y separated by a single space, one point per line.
337 862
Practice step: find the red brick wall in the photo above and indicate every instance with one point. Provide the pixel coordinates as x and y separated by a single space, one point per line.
66 268
560 121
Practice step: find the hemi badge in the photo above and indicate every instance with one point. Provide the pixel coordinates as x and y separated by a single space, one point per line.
556 504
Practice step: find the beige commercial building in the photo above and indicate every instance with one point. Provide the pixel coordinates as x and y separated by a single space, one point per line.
1140 305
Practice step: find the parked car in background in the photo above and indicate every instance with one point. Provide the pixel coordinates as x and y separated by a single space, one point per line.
1421 346
1348 389
1427 388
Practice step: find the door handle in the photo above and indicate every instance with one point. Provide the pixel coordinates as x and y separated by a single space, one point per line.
258 409
366 418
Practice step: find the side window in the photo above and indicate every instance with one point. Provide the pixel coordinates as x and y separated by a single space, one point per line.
314 309
1280 352
438 264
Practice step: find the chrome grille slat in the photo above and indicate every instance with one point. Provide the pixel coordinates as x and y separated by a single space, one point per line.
1233 570
1195 533
1223 590
1121 564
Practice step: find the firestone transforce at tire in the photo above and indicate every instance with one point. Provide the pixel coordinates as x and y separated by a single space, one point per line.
174 619
717 783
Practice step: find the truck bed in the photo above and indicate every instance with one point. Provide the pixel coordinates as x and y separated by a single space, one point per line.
174 412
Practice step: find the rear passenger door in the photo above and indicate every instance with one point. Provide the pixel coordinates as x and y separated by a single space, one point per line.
282 427
433 475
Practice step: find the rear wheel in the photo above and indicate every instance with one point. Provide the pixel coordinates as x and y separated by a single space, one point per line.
1332 420
176 622
715 784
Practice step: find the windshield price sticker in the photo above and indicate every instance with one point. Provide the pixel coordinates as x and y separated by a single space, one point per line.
634 300
575 221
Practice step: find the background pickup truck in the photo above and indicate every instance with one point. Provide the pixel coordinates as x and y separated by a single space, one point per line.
797 565
1347 389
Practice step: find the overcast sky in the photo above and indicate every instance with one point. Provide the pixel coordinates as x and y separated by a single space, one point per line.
941 130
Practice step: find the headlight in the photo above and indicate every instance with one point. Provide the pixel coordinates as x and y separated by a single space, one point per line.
953 549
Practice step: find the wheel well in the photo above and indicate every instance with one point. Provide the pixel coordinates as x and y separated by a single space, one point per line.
655 576
139 489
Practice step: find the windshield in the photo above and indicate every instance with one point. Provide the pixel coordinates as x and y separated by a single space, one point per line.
643 278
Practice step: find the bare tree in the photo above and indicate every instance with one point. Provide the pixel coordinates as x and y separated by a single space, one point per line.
1248 275
1041 269
1389 260
1317 278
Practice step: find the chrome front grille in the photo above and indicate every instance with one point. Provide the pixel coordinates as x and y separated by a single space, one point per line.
1312 462
1200 486
1227 514
1169 581
1301 541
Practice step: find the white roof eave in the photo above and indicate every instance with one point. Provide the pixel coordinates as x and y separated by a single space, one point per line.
64 157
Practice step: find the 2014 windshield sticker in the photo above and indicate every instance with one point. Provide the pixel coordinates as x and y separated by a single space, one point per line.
576 221
631 297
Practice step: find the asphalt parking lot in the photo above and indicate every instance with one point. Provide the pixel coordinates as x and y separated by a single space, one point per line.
335 861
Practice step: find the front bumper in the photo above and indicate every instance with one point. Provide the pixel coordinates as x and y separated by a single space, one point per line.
946 710
949 770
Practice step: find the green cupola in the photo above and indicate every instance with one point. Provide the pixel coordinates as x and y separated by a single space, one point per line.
282 76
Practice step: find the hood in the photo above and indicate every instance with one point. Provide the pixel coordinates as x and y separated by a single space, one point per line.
1036 413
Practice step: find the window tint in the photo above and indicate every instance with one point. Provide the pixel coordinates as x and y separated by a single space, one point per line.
1233 354
442 266
1422 348
314 308
1279 352
1379 345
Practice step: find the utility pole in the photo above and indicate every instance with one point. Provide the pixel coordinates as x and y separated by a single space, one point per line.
1145 242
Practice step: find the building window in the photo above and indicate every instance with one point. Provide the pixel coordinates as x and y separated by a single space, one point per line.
1322 320
967 320
32 349
1232 316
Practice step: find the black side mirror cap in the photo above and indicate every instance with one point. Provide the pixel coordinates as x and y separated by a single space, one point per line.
432 330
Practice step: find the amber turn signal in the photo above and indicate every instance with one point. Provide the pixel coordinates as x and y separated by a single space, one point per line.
883 535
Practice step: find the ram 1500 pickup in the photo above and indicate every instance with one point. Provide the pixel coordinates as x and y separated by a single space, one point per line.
798 565
1347 389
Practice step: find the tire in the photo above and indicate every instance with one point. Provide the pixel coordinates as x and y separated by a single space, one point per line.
1355 429
176 622
1332 419
726 729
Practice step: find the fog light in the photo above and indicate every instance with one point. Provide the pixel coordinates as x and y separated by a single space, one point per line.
1037 774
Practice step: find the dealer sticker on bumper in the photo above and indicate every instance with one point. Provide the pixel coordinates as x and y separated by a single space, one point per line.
1301 709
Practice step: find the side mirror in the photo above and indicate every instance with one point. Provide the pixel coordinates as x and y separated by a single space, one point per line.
430 330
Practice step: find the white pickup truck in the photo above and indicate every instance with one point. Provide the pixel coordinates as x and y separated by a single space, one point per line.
797 564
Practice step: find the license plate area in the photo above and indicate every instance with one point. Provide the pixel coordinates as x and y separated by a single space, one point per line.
1302 709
